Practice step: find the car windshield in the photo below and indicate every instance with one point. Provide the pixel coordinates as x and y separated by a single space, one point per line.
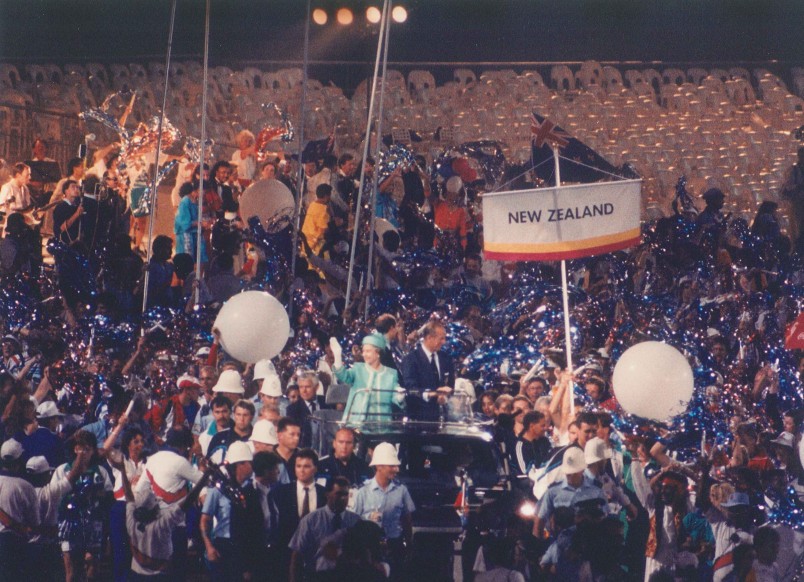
437 460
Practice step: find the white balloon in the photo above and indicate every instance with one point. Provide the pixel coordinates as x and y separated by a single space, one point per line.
253 326
653 380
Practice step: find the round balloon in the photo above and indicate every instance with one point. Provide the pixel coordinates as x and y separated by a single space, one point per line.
653 380
253 326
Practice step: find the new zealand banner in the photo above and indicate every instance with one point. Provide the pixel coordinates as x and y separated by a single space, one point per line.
549 224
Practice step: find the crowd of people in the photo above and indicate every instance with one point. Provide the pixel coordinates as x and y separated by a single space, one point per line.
134 447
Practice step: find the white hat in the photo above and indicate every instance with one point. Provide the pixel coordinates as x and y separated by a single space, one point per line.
202 352
596 450
48 409
384 454
574 461
264 432
238 452
37 465
11 450
229 381
271 386
454 184
263 369
785 439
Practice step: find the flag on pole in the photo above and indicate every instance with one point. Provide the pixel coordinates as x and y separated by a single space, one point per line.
546 132
579 163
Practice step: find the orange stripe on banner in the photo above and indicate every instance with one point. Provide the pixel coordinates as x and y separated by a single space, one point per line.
562 246
574 253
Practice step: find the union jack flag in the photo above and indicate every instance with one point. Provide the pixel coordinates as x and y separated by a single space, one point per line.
547 132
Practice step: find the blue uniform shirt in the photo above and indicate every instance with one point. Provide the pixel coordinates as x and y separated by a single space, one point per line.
392 503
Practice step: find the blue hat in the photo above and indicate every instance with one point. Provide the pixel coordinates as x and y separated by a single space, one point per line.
375 339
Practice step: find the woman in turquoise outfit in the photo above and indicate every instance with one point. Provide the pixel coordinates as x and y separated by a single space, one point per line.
375 388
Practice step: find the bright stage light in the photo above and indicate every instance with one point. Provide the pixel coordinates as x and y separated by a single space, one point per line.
320 16
345 16
399 14
373 14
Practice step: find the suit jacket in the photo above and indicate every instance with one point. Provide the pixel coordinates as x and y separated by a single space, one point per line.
287 505
417 371
299 412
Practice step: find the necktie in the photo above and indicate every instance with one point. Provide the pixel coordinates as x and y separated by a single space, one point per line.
435 368
306 502
312 406
337 522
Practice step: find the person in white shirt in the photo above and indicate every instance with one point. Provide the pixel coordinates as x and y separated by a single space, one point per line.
14 195
43 547
150 526
19 512
167 474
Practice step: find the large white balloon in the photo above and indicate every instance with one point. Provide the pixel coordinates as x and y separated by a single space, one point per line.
653 380
253 326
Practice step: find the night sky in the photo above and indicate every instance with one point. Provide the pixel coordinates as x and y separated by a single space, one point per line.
707 31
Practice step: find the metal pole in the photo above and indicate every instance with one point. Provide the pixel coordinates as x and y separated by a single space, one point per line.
200 233
300 182
385 9
372 281
152 217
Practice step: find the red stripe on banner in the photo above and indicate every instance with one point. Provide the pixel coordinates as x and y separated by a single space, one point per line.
564 255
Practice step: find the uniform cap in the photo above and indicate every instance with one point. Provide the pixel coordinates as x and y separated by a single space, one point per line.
239 452
384 454
263 369
264 432
271 386
596 450
574 461
229 381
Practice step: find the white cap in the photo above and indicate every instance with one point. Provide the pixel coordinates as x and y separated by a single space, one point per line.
384 454
785 439
454 184
229 381
271 386
48 409
264 432
11 450
596 450
238 452
574 461
263 369
202 352
37 465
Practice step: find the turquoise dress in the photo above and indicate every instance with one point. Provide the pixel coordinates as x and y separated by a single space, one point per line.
376 404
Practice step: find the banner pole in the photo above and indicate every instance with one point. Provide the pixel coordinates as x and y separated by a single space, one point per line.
565 297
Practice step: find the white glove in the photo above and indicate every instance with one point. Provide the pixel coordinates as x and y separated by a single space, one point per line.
337 352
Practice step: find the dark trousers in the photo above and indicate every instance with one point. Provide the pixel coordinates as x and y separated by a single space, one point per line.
134 577
121 552
12 557
178 563
45 560
397 553
229 567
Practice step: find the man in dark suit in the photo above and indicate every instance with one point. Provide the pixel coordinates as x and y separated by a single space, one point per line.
427 369
293 501
386 325
305 406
